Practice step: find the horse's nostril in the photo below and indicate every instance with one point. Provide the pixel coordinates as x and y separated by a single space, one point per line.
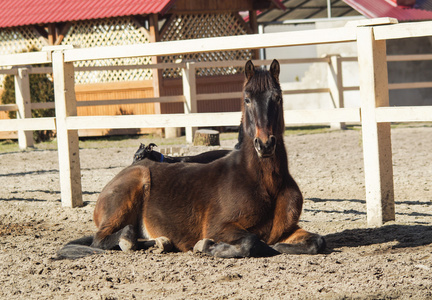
257 144
272 140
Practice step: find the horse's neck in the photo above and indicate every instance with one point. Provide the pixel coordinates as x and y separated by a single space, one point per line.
271 172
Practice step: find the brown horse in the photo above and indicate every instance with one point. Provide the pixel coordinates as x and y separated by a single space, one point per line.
243 204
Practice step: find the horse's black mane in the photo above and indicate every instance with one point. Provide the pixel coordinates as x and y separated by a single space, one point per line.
262 81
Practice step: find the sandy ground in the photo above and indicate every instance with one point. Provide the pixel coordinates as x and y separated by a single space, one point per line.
391 262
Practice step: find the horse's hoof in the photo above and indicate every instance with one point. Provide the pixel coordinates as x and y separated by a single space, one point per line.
127 239
164 244
203 246
125 245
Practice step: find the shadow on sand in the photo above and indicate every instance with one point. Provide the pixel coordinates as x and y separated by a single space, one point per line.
406 236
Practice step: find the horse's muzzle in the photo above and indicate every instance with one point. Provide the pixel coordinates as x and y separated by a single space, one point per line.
266 149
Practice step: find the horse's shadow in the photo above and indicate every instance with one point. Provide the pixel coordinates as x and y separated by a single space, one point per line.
406 236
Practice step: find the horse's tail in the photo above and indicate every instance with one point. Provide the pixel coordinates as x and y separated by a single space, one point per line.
78 248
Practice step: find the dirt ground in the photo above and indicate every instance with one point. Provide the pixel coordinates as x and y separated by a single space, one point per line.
390 262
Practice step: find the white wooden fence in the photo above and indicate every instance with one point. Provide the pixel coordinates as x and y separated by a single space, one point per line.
374 114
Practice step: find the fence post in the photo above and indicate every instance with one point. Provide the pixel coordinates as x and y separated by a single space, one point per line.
377 150
189 92
23 101
67 140
335 84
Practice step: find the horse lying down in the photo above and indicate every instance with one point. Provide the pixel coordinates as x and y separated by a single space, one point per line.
242 204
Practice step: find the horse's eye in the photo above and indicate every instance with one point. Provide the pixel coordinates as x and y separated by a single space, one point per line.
247 101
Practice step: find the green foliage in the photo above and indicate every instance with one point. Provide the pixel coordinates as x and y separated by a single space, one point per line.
41 91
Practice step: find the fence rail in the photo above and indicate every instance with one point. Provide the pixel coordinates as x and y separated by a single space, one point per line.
374 113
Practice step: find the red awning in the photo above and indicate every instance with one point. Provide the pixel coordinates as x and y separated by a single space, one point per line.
25 12
384 8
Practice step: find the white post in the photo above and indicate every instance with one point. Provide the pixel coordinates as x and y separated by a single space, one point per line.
23 101
377 150
335 84
67 140
189 92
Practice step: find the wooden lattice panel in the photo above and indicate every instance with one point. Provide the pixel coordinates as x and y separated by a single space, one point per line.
17 40
108 32
194 26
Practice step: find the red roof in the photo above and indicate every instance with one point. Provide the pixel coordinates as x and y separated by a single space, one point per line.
384 8
26 12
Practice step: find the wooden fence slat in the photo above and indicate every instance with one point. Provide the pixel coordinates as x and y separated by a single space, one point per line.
23 102
215 96
28 124
319 116
29 58
190 96
403 30
292 117
409 57
67 139
8 107
377 150
43 105
154 121
409 85
404 114
306 91
252 41
163 99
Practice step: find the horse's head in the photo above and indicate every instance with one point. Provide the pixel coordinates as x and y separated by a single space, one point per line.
262 108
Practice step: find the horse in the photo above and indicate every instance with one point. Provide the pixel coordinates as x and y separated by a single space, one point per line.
244 204
144 152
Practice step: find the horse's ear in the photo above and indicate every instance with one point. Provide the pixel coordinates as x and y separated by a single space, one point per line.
275 69
249 69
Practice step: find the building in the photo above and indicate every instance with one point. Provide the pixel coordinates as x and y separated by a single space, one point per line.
88 23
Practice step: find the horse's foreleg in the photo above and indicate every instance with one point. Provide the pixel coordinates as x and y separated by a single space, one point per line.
249 246
124 238
301 242
234 242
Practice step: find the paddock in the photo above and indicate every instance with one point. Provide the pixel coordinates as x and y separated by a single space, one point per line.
392 261
374 114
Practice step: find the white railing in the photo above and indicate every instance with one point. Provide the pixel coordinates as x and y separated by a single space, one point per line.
374 114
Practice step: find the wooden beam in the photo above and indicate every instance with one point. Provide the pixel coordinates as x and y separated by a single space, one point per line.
335 84
63 30
154 121
404 114
8 107
157 74
253 23
28 58
67 140
190 94
52 34
377 149
163 99
403 30
23 101
292 117
41 32
27 124
252 41
168 20
140 23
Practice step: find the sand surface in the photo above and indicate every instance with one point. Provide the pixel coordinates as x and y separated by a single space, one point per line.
390 262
